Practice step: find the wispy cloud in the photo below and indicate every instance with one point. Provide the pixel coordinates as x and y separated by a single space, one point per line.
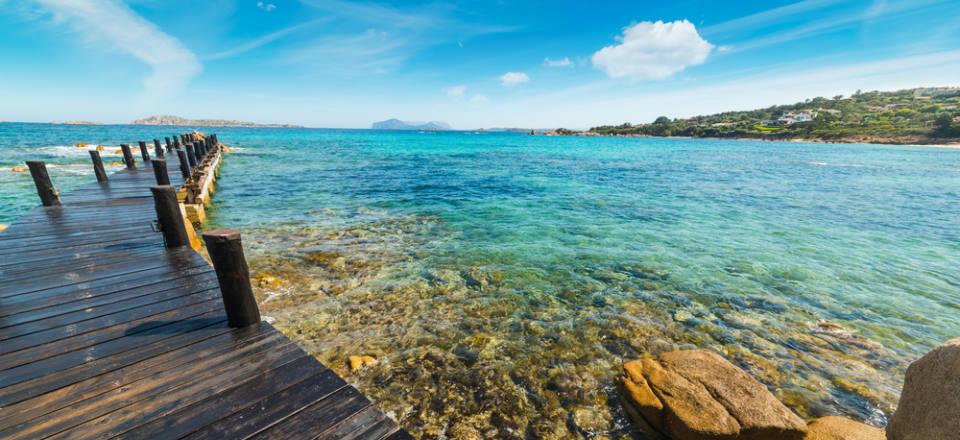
113 25
269 7
384 36
562 62
266 39
825 21
456 91
511 79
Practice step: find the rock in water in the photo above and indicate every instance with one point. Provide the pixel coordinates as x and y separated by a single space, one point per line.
842 428
929 405
698 395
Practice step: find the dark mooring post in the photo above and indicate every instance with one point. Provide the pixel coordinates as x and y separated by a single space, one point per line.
144 152
176 143
167 140
49 196
169 217
160 171
184 165
98 166
157 148
191 155
226 253
128 157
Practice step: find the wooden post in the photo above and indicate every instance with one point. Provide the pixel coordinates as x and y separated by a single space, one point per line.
176 143
226 253
184 165
98 166
128 157
49 196
160 171
167 139
191 155
157 148
201 150
144 153
169 216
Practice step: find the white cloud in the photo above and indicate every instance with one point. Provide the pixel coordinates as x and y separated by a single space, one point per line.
562 62
511 79
650 51
266 6
112 24
456 91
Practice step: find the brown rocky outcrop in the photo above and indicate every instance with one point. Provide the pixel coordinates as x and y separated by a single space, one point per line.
929 405
841 428
698 395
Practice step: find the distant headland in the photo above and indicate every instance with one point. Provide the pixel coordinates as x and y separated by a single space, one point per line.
177 120
929 115
396 124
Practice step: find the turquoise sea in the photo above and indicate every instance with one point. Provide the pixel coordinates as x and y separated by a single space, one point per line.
500 279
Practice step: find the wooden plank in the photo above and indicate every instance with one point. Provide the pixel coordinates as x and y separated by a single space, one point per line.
270 410
156 346
73 358
191 418
209 342
103 416
317 417
369 423
18 357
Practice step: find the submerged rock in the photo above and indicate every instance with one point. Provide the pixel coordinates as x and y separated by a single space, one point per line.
695 394
841 428
929 406
358 362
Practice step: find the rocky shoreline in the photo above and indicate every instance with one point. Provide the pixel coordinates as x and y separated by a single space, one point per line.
699 395
905 141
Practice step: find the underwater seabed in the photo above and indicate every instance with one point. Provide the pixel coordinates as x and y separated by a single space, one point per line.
474 351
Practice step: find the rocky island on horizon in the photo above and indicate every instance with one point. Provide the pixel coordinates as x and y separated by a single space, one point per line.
179 121
396 124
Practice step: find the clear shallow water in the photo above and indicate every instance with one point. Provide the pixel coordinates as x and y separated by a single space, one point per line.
500 279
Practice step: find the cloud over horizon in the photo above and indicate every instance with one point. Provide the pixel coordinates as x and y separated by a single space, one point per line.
653 51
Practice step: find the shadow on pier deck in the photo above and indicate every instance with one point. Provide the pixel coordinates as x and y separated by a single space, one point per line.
106 332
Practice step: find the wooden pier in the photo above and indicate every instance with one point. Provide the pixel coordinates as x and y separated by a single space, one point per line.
110 327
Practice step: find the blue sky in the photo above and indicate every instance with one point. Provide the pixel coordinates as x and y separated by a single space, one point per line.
345 63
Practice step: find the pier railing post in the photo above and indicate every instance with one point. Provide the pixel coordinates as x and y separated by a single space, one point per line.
98 166
167 140
157 148
191 154
169 216
49 196
184 165
128 157
160 171
144 153
226 253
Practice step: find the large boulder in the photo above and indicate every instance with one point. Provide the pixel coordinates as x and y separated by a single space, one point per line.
842 428
929 405
698 395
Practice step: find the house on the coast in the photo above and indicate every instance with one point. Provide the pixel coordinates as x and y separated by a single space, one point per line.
793 118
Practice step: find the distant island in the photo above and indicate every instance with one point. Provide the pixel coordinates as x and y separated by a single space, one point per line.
76 123
177 120
396 124
929 115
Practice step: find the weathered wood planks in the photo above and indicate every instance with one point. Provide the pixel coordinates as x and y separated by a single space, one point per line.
105 333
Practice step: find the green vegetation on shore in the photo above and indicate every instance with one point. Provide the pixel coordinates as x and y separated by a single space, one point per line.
922 115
